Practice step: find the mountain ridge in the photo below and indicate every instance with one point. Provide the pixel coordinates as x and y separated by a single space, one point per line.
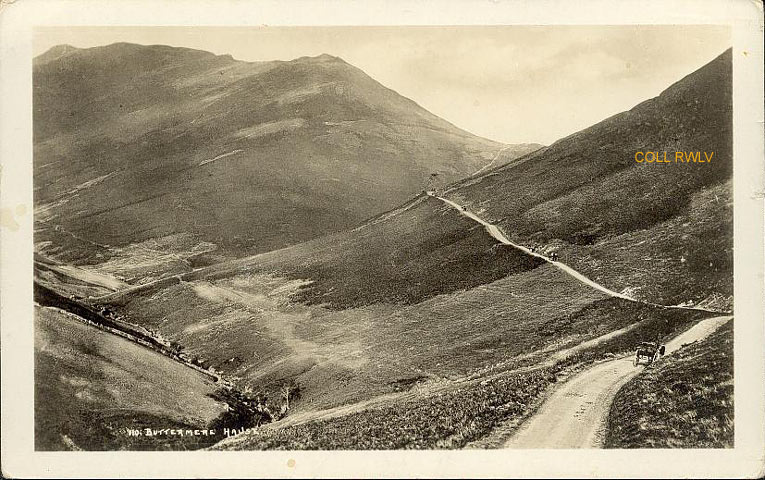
125 132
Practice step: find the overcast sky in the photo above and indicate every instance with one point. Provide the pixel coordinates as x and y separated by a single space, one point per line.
513 84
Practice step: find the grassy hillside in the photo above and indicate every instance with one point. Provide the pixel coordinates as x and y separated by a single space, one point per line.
178 157
414 253
420 295
91 385
451 414
684 401
69 280
338 312
662 231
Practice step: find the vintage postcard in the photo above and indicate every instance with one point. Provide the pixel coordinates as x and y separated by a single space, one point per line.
309 239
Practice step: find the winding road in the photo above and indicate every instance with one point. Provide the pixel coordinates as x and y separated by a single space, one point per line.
492 229
575 415
495 232
494 159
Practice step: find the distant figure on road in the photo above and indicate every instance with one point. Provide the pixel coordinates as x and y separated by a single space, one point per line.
433 183
554 257
662 349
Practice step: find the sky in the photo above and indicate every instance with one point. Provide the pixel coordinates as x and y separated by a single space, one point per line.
513 84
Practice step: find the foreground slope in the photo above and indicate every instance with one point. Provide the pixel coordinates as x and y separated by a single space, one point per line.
91 386
474 412
686 401
661 232
575 415
154 158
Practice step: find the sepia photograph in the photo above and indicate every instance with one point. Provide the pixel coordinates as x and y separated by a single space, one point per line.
384 238
288 253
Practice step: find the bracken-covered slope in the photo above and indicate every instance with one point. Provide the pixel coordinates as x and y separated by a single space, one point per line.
684 401
151 147
422 295
662 232
91 385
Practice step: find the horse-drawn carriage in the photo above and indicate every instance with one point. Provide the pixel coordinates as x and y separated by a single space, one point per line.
647 353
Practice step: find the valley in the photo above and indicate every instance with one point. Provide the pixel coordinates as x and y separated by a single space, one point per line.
394 313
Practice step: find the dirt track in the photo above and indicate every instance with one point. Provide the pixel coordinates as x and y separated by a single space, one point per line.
574 416
497 234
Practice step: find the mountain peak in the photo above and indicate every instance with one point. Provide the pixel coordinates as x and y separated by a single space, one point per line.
137 48
323 58
130 56
327 57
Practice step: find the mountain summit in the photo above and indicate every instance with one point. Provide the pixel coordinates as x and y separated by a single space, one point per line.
135 143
